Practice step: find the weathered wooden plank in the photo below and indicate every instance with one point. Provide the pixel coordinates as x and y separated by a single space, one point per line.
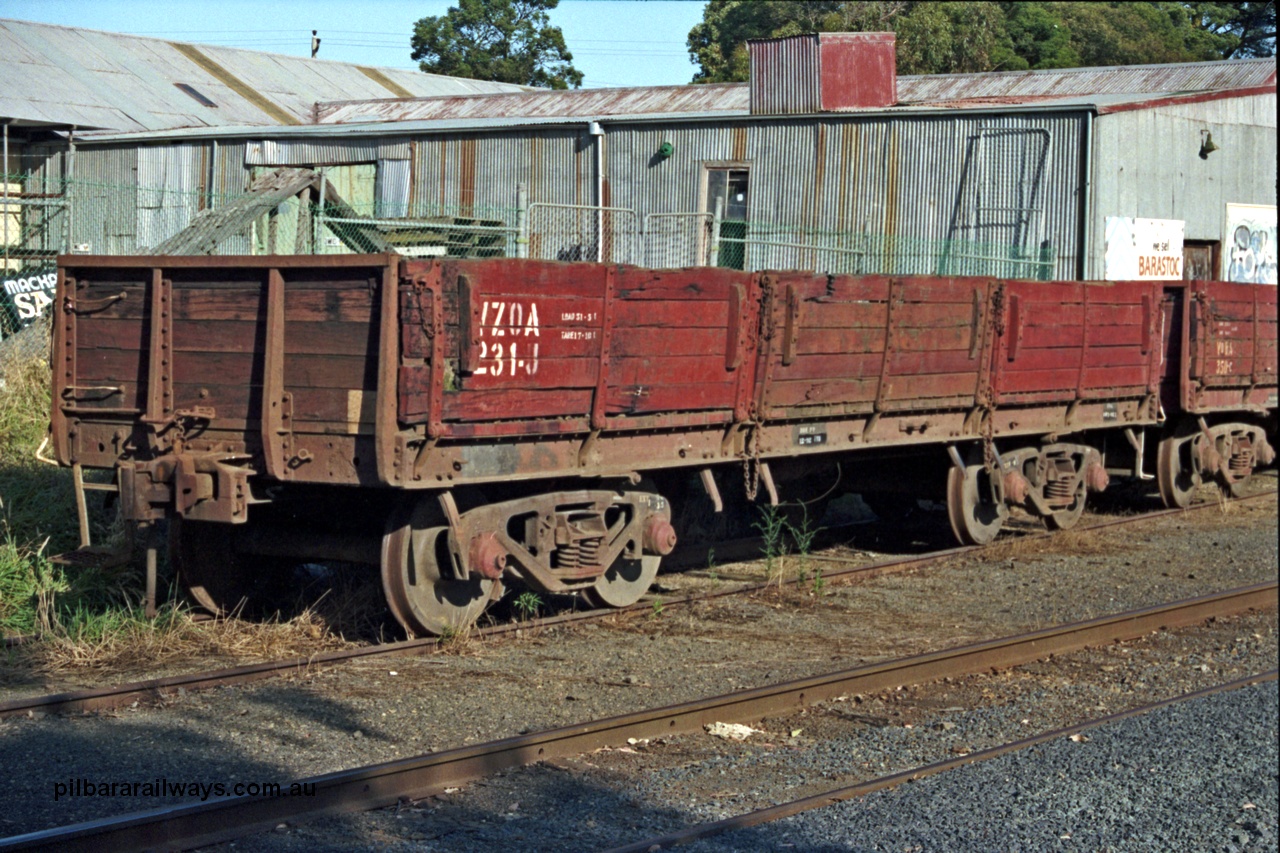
842 315
527 404
637 399
933 361
1095 356
697 283
653 341
809 392
546 373
909 387
309 370
671 314
662 370
833 367
95 332
835 341
1049 337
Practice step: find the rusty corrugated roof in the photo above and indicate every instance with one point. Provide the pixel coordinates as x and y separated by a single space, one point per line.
955 91
587 103
1067 82
62 76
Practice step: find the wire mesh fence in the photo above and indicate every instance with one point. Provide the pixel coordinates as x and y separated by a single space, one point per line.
751 245
577 232
678 240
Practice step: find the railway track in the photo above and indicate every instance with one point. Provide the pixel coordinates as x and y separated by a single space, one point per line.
155 690
848 792
385 784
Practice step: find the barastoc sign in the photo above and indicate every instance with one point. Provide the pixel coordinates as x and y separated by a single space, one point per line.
30 294
1139 249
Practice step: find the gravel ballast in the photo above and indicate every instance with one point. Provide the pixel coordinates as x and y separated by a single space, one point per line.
378 710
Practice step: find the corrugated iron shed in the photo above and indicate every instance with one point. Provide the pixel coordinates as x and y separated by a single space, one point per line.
60 76
1064 87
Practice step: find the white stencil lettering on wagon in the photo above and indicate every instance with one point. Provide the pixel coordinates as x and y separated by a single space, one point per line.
505 345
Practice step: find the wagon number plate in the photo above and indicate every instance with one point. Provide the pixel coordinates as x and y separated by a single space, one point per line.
809 435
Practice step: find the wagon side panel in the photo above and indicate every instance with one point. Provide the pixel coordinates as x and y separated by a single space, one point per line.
1231 362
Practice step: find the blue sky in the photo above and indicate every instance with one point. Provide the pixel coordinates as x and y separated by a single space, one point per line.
631 43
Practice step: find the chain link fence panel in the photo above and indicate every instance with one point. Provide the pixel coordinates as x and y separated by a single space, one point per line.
576 232
673 240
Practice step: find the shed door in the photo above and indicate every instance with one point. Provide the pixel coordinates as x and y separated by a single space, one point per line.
727 189
1197 261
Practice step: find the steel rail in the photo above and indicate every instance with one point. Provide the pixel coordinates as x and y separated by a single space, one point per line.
198 824
158 689
838 795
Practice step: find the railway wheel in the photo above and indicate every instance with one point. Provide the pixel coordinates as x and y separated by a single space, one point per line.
625 582
209 570
1176 475
421 592
975 512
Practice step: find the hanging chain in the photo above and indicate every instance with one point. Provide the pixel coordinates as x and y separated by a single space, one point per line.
751 464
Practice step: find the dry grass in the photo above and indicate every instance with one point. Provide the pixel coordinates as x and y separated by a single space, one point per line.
1072 542
139 645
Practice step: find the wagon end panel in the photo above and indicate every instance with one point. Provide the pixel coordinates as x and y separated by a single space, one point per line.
1231 338
847 345
1094 344
194 374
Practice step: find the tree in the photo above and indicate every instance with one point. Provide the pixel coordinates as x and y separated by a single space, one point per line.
510 41
1249 29
940 37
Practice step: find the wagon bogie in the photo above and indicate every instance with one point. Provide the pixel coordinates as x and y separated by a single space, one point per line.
1225 454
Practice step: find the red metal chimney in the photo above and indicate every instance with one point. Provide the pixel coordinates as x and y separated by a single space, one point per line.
823 72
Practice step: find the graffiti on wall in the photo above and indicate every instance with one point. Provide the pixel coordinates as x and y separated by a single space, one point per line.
1249 245
25 297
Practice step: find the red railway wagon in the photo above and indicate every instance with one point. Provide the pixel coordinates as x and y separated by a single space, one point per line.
458 422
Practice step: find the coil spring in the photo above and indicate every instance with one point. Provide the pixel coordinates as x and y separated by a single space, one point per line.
1241 462
1059 491
583 552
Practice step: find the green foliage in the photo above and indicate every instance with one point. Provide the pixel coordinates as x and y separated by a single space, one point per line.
38 518
509 41
773 534
527 605
958 37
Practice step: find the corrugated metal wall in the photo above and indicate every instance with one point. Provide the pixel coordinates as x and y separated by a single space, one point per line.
460 174
919 180
1147 164
862 192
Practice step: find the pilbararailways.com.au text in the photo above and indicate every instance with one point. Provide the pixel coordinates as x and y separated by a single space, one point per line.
166 788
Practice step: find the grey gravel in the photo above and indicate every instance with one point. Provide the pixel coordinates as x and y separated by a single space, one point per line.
355 715
1200 775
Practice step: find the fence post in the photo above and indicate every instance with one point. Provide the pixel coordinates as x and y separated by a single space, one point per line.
317 242
522 220
713 259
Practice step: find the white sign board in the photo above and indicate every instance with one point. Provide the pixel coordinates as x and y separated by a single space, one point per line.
1143 249
1249 244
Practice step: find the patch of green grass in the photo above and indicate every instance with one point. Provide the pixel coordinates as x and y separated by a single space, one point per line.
38 520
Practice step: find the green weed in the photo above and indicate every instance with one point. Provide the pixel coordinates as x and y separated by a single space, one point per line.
528 605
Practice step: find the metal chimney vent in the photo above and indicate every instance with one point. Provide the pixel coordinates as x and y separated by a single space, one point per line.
823 72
